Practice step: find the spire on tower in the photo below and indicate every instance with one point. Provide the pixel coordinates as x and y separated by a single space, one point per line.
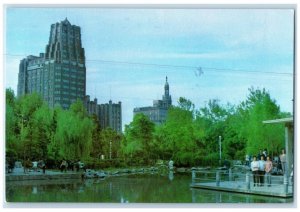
166 97
166 84
66 21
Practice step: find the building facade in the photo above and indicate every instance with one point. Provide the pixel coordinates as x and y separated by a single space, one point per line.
109 114
158 112
92 107
59 74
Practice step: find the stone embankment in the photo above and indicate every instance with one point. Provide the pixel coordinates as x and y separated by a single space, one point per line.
90 173
49 175
19 175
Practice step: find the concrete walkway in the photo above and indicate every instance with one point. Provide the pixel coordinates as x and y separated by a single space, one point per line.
19 175
240 187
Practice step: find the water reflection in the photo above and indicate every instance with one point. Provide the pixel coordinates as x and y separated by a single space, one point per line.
34 190
171 175
141 188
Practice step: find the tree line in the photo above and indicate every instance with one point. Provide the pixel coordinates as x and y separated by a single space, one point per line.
189 136
36 132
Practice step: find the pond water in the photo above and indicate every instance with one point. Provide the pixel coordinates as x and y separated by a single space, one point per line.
138 188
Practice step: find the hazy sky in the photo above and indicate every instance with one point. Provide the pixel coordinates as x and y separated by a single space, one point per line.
130 51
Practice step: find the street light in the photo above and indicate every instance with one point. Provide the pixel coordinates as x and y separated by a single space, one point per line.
220 149
110 150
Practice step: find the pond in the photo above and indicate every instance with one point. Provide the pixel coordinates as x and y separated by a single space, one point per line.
136 188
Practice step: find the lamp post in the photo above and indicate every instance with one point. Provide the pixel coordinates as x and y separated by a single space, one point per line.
220 149
110 150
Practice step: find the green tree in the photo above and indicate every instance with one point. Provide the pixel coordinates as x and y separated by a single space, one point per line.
138 137
25 108
11 129
259 107
41 131
178 135
73 133
110 142
53 146
185 104
211 123
97 145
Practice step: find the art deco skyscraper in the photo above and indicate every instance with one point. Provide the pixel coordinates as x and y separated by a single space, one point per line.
59 75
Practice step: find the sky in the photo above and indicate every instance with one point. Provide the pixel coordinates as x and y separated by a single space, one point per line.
129 52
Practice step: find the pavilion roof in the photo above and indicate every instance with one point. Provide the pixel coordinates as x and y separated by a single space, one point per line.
283 120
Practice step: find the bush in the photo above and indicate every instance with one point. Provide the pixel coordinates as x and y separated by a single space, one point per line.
103 164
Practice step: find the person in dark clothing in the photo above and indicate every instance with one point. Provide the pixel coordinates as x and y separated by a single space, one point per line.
42 166
260 154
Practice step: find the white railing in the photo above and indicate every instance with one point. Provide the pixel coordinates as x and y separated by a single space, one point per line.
244 180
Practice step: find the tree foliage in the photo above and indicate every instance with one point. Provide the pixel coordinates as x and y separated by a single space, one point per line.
138 137
191 136
34 131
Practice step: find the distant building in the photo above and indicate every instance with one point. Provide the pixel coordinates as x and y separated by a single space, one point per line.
59 75
30 74
92 107
158 112
109 114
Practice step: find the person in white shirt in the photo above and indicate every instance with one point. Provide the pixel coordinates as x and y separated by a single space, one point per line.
261 171
283 161
255 169
34 166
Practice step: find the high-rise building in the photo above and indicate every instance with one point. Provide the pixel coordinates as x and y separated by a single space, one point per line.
59 75
158 112
92 107
109 115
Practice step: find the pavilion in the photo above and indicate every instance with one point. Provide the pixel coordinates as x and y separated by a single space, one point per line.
289 139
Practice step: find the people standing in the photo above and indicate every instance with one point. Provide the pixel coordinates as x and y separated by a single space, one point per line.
283 161
247 159
63 165
265 153
35 166
261 172
27 165
259 154
254 169
268 170
42 166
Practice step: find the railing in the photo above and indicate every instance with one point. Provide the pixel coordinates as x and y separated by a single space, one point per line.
283 184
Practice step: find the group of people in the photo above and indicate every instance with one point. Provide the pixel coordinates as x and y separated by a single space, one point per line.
262 165
71 165
34 165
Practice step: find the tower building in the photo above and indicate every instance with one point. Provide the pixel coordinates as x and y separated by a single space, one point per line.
158 112
59 75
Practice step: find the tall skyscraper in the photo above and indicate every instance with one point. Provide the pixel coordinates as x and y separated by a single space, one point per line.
158 112
59 75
